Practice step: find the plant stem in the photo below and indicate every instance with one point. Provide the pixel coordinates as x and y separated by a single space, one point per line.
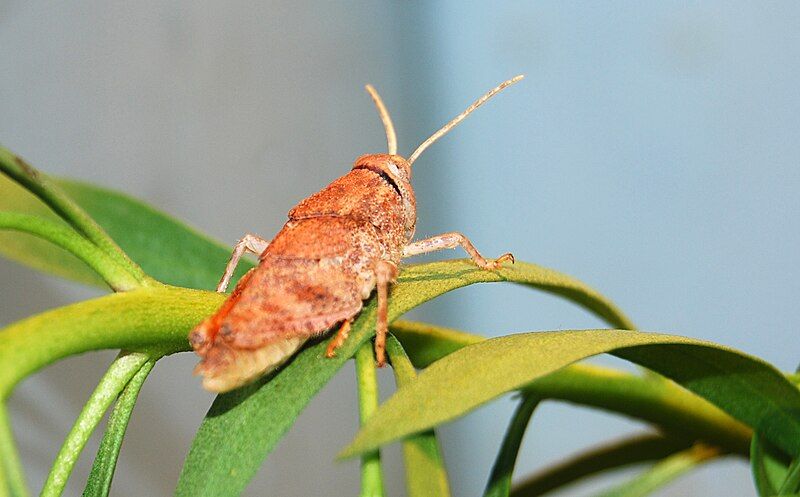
614 455
115 379
137 320
12 477
663 472
371 477
49 193
117 277
105 462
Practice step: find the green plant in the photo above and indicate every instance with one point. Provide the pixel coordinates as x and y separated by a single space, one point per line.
705 400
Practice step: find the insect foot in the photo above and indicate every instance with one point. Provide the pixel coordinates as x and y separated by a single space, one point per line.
498 263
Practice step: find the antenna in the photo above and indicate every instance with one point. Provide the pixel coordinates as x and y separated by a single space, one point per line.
452 124
391 137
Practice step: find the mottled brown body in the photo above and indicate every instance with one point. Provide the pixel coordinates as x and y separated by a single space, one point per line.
338 246
315 273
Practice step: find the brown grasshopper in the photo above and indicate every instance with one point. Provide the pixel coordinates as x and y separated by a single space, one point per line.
336 248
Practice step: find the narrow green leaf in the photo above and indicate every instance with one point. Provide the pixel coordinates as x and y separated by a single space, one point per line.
618 454
68 239
426 343
51 194
499 484
35 252
662 473
242 427
12 477
5 487
747 388
425 472
110 386
588 385
647 397
99 482
166 249
792 481
769 466
667 405
773 472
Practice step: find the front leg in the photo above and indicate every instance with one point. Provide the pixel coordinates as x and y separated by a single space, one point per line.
249 243
451 241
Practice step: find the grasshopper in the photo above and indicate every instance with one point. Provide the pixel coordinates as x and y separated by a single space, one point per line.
338 246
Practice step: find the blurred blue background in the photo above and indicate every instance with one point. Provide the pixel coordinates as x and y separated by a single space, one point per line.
652 151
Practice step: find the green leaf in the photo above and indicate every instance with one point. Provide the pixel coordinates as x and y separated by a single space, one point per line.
662 473
646 397
166 249
499 484
792 481
120 373
769 466
12 476
5 487
747 388
99 481
425 472
622 453
242 427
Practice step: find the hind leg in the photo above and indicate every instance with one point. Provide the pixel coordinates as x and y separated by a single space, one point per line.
338 339
385 273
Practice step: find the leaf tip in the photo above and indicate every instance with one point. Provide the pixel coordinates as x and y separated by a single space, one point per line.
355 449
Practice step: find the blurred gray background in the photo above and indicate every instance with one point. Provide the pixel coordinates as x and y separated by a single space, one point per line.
652 151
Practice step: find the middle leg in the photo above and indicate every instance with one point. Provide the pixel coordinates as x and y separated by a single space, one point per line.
248 243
